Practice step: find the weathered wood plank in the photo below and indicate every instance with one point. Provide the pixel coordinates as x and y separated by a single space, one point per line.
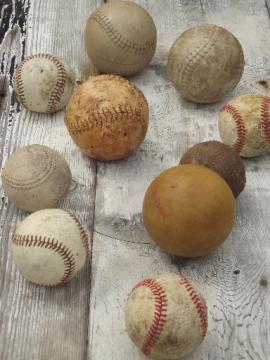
234 279
38 323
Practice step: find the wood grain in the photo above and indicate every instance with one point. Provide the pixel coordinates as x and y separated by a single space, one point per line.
38 323
234 279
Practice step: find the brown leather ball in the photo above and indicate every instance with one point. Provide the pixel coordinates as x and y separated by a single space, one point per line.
107 117
220 158
189 210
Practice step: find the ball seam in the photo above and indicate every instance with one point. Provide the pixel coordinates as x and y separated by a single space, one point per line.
54 245
199 306
160 314
265 121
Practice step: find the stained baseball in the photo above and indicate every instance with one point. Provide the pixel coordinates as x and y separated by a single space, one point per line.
107 117
120 38
244 124
220 158
205 63
36 177
189 210
49 247
166 316
43 83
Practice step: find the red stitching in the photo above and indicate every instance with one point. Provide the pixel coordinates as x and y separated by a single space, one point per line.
82 232
59 86
161 210
52 244
200 307
265 122
160 313
240 126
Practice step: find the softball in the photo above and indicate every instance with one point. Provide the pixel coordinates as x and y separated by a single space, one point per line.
49 247
107 117
36 177
120 38
205 63
189 210
43 83
220 158
244 124
166 316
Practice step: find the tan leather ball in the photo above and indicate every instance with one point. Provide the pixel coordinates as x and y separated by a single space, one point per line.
107 117
120 38
189 210
205 63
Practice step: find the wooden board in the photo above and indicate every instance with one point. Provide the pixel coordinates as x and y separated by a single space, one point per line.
84 319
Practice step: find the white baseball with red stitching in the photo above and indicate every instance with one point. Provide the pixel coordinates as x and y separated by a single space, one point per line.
244 124
43 83
166 316
49 247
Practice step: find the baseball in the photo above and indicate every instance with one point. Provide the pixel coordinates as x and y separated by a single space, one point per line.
43 83
166 316
205 63
120 38
49 247
244 124
189 210
107 117
220 158
36 177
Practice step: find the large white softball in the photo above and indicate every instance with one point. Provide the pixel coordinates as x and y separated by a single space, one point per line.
43 83
205 63
244 124
166 317
120 38
36 177
49 247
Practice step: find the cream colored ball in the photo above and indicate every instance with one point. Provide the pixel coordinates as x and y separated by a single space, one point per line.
244 124
43 83
36 177
120 38
205 63
49 247
166 316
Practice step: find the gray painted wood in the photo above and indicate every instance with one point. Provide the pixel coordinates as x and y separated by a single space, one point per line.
79 322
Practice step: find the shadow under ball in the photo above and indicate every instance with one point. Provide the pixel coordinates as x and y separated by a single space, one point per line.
189 210
205 63
120 38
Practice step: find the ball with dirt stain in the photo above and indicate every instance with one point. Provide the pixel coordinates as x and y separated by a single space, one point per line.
189 210
107 117
205 63
220 158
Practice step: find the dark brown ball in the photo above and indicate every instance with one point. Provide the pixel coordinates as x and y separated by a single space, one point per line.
220 158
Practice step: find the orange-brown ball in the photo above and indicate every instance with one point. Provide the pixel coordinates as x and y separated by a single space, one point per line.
189 210
107 117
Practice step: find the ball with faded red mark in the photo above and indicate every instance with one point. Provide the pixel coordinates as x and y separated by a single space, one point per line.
189 210
220 158
166 316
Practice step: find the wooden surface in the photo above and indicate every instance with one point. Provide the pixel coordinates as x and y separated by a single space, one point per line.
84 319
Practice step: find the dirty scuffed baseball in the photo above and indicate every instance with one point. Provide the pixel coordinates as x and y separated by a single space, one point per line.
189 210
43 83
205 63
221 158
166 316
244 124
120 38
49 247
36 177
107 117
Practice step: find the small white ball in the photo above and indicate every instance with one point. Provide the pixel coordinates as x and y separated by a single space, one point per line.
49 247
244 124
43 83
36 177
166 316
